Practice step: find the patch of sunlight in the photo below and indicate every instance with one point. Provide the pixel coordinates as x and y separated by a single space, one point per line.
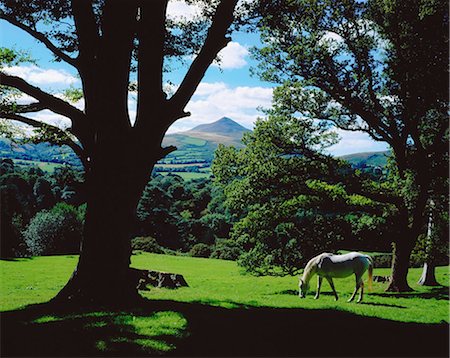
46 319
154 345
149 333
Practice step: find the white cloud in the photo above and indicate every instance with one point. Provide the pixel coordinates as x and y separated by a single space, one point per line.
355 142
232 56
217 99
178 8
49 117
40 76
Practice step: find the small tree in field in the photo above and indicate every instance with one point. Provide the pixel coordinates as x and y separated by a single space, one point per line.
104 40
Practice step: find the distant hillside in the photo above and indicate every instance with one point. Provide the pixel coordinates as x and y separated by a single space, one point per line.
367 159
199 143
30 154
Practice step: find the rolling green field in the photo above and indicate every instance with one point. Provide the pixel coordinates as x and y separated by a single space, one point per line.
217 288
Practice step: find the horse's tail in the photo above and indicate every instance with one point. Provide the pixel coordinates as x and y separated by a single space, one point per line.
370 272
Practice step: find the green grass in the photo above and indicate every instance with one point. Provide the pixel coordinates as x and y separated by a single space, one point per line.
220 283
221 313
45 166
189 175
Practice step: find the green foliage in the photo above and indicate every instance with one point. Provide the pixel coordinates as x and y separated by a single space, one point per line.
276 191
73 94
226 250
360 66
200 250
54 231
147 244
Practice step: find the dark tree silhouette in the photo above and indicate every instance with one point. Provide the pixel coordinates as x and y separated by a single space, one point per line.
103 40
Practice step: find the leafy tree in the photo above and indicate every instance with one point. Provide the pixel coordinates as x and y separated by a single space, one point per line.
43 193
104 40
290 199
54 231
378 66
432 247
17 208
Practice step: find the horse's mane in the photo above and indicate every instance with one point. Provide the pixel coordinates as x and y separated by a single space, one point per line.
309 266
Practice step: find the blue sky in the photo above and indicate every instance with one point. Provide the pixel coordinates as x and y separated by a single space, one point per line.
227 91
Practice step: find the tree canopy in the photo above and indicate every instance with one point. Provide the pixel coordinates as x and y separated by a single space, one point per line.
379 67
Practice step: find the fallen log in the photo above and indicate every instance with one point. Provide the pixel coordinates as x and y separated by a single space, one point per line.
157 279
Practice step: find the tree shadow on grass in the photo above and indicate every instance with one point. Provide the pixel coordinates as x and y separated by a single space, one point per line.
437 293
381 304
195 329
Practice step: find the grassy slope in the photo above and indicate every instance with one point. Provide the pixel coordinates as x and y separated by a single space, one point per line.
219 283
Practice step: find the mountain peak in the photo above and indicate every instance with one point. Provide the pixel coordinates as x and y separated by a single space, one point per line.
223 126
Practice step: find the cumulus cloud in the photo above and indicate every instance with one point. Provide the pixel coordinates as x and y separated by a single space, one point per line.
232 56
40 76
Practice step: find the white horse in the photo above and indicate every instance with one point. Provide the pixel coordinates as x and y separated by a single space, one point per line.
336 266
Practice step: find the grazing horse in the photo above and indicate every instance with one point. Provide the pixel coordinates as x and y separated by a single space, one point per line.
336 266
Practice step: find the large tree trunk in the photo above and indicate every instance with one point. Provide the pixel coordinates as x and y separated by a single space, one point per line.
400 265
102 275
413 223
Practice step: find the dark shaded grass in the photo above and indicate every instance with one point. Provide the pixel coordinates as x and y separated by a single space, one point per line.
216 331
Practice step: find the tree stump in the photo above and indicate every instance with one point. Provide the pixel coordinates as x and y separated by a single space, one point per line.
158 279
381 279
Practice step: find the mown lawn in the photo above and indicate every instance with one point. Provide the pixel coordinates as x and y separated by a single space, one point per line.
220 302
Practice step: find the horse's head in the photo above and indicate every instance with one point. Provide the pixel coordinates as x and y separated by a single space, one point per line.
303 288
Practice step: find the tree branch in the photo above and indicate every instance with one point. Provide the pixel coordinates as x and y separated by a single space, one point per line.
88 44
27 108
63 137
215 41
41 38
151 35
47 101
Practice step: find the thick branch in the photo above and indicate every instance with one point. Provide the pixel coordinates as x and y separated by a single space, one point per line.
41 38
87 30
151 34
52 103
62 135
48 101
108 95
88 43
215 41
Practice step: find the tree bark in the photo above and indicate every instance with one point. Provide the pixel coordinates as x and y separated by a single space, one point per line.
102 275
400 265
428 277
121 156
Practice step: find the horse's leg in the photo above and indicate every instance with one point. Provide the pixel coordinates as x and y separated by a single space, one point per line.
356 289
319 283
330 281
361 292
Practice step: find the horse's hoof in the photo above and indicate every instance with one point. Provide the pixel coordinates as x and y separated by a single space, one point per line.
316 297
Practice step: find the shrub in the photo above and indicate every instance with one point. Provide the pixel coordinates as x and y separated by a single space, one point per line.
55 231
226 250
200 250
147 244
